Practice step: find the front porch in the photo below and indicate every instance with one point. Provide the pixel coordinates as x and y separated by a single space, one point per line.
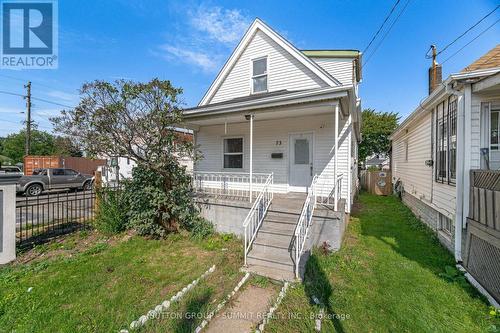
274 168
278 229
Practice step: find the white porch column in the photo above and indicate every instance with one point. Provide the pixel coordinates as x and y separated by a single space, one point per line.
335 167
251 156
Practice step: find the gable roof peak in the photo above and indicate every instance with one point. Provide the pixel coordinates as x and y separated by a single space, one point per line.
256 25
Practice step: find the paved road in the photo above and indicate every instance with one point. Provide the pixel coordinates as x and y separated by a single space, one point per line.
59 207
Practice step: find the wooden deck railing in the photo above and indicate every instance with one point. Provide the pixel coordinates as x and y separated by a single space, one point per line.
482 253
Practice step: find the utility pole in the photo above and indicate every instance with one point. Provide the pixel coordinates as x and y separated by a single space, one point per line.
28 119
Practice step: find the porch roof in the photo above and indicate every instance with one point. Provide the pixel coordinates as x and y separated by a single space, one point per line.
272 105
488 85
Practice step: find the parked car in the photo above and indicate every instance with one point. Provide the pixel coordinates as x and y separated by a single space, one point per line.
10 170
53 178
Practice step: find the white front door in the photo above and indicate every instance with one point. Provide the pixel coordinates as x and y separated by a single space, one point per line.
301 160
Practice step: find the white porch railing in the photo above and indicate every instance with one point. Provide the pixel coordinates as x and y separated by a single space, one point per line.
228 184
333 194
302 228
257 213
314 196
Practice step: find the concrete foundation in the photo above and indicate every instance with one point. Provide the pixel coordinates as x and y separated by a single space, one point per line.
227 216
430 217
328 226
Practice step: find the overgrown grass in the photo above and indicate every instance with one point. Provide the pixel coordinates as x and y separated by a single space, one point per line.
388 277
105 285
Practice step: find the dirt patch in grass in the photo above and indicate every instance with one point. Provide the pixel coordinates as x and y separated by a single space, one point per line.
69 245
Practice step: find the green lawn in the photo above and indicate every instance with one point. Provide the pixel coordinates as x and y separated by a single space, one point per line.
90 283
386 278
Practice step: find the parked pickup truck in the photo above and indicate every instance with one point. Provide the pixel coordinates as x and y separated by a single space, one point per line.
49 179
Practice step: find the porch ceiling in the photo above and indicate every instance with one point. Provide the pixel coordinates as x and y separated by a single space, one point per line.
299 110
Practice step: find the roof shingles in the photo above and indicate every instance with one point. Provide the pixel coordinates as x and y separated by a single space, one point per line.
490 60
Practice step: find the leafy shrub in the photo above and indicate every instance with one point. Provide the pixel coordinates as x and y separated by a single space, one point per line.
162 203
111 216
495 317
451 274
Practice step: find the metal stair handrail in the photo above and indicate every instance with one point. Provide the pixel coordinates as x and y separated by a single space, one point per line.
257 213
304 222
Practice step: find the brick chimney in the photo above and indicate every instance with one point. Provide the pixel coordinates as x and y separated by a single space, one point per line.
435 72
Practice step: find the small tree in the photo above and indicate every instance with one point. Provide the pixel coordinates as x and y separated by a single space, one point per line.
42 143
139 121
376 127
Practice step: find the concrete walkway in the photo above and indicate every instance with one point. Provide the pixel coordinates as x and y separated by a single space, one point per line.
245 312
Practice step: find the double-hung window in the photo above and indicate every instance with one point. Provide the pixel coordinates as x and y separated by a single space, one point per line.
446 141
233 153
259 75
495 130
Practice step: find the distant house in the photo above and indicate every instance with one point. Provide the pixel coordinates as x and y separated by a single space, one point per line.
379 161
121 167
440 154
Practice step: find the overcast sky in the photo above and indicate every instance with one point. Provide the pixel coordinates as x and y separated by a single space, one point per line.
187 42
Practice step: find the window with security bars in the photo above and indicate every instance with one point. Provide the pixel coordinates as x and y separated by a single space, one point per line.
445 224
446 141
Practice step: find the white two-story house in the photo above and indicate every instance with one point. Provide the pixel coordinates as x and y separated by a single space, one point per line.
278 120
276 109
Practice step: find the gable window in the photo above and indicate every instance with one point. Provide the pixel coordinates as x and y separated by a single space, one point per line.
259 75
446 141
233 153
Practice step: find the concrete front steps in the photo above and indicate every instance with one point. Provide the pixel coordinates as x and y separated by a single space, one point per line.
273 251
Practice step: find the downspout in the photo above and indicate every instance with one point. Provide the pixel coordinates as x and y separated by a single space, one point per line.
349 164
335 165
461 175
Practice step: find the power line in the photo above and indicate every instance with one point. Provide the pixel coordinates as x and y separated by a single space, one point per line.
36 98
11 121
383 23
11 93
466 31
50 102
38 83
387 32
463 47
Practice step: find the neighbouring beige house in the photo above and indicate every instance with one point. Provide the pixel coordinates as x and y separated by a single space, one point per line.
279 120
440 154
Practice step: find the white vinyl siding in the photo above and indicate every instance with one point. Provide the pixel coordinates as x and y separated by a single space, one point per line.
340 68
416 144
284 71
271 136
418 178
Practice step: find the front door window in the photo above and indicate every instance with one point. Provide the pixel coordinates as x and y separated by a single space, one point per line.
301 160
